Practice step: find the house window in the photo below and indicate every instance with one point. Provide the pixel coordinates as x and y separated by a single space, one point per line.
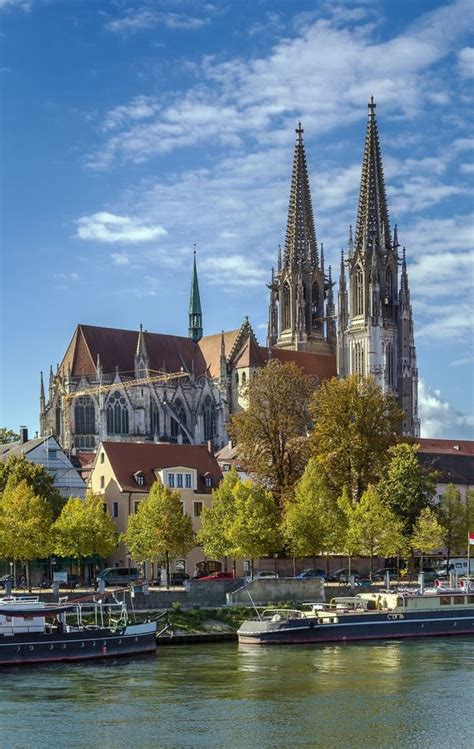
226 467
115 509
102 482
171 480
179 480
117 414
102 457
187 481
52 454
135 507
197 509
182 507
208 481
139 479
104 506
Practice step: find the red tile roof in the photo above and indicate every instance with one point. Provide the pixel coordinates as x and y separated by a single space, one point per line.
322 366
454 447
128 458
210 346
117 347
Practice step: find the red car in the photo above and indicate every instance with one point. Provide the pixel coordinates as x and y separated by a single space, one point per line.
217 576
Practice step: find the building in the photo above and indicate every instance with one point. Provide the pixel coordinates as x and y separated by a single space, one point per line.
124 472
47 451
452 459
375 321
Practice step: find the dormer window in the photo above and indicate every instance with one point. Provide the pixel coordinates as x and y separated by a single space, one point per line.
208 480
139 478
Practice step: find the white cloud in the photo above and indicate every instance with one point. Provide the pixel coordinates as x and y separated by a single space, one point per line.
145 18
7 4
119 258
111 229
439 418
323 74
233 271
466 62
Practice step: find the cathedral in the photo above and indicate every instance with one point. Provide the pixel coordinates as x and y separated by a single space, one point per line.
140 386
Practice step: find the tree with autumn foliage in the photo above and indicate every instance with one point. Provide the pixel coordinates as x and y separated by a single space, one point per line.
354 425
271 433
217 519
17 469
159 529
427 533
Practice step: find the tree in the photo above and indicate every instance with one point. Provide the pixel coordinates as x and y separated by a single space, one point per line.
406 488
7 436
17 468
354 425
373 528
468 513
83 529
217 519
313 524
451 514
271 433
25 522
159 529
427 533
255 529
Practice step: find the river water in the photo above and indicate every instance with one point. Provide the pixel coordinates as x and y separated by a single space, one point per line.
391 695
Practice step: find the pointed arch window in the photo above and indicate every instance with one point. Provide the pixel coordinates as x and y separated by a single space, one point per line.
390 365
84 415
359 292
286 308
315 303
155 421
176 428
117 414
209 413
389 284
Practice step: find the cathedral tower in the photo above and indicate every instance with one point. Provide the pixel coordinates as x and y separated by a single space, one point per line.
299 289
195 312
375 324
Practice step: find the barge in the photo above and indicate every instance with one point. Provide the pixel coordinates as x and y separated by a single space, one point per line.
32 631
385 615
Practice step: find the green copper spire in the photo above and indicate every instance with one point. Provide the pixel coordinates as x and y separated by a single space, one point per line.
195 313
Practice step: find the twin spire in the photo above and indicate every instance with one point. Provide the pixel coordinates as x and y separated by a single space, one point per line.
195 311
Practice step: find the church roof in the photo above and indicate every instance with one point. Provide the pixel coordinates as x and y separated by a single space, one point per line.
116 349
210 346
129 458
322 366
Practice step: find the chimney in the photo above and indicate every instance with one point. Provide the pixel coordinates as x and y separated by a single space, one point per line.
210 447
23 435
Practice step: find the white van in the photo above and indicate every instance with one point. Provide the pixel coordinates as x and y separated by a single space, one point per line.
118 575
457 565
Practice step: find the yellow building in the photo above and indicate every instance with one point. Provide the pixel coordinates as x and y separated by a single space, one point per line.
123 472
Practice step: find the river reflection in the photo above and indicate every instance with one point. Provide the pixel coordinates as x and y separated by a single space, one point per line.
384 695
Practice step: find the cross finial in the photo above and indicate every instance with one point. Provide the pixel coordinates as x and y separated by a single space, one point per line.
194 248
299 132
371 105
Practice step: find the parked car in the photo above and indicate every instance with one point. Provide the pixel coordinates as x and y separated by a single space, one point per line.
305 574
118 575
178 578
381 573
263 575
216 576
342 575
6 579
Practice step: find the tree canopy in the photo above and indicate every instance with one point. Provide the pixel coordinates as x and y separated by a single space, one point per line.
272 433
452 514
217 519
255 529
84 529
406 488
17 468
7 436
354 425
25 522
313 523
427 532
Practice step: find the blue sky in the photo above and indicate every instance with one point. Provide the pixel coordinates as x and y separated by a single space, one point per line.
132 130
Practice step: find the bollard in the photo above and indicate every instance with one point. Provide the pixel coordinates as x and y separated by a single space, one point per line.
101 585
8 588
55 588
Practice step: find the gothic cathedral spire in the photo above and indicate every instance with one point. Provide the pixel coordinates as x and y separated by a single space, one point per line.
375 335
298 290
195 312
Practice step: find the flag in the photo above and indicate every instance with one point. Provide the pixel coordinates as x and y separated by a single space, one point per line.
470 536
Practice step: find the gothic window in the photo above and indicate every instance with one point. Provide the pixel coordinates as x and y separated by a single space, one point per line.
237 379
117 414
84 415
286 310
358 363
244 379
176 430
155 421
210 418
390 365
389 284
58 420
359 292
84 442
315 302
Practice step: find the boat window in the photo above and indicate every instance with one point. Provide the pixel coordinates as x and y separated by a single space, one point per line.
470 599
458 599
400 602
445 601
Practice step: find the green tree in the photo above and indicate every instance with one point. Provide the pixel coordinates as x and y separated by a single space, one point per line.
25 523
217 519
313 524
83 529
271 432
468 513
255 529
349 543
7 436
159 529
17 468
406 488
374 529
451 514
354 425
427 533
